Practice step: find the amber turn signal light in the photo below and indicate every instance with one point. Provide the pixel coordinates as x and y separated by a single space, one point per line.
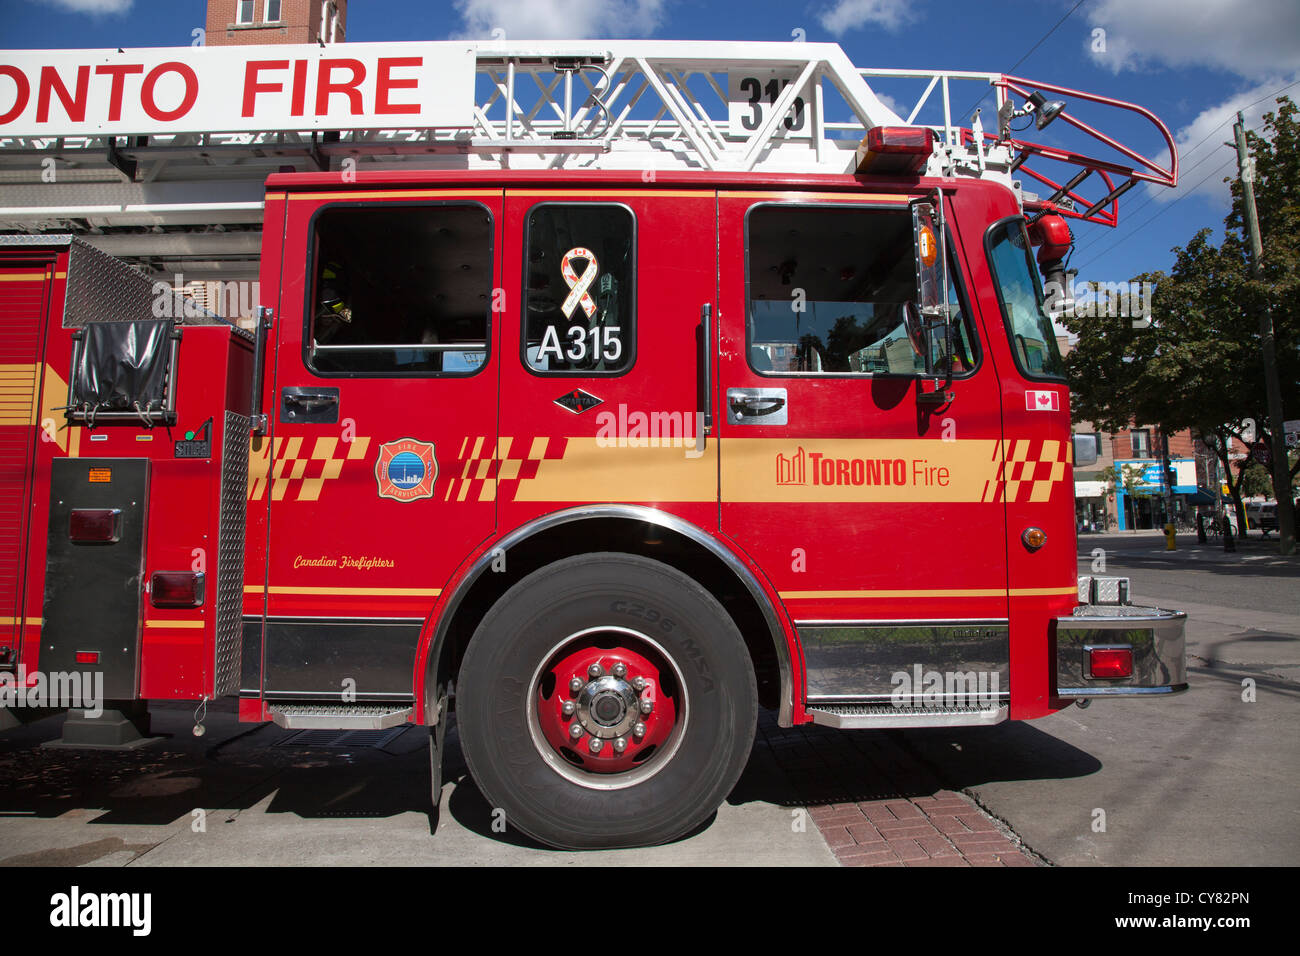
1034 538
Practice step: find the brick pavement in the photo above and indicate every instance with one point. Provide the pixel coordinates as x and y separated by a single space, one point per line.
875 802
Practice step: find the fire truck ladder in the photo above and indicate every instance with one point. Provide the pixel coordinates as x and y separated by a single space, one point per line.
643 105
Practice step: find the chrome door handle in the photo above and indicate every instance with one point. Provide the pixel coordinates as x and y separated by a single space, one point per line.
757 406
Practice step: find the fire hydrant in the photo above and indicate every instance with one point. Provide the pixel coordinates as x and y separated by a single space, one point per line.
1169 538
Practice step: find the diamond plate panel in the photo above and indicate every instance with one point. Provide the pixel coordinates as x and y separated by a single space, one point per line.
230 555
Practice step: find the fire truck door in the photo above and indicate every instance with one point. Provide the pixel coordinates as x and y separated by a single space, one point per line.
863 502
602 369
385 380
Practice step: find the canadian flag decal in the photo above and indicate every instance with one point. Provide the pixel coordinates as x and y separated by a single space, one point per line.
1042 400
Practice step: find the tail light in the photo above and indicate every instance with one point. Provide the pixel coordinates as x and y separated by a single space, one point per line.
87 657
176 588
895 149
95 525
1110 663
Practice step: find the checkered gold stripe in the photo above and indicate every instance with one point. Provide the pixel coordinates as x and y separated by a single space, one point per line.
486 469
1030 469
290 475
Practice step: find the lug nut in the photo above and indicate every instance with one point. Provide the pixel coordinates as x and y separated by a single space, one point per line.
575 685
620 745
595 745
638 684
575 731
619 669
638 730
568 707
647 705
595 670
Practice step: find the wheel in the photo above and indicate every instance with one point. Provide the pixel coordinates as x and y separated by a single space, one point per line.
605 701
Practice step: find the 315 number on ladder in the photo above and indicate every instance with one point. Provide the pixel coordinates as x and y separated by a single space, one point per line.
750 96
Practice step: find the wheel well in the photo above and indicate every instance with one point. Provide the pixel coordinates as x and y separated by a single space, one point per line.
587 535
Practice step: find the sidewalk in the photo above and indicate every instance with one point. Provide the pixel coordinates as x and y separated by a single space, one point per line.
1147 544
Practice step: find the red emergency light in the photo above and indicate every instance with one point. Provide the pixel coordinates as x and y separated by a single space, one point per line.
95 525
87 657
1110 663
895 149
1051 233
176 588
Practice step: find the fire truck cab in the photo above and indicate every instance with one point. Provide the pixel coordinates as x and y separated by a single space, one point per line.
606 456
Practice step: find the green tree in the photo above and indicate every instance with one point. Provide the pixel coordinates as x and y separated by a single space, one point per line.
1198 364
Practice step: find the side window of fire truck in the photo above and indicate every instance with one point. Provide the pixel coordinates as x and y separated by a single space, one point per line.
1033 340
828 286
400 290
580 292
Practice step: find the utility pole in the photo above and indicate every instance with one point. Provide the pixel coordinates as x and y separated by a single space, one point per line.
1281 469
1167 482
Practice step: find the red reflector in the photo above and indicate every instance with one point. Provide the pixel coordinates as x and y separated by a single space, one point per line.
1110 662
176 588
87 657
895 149
95 525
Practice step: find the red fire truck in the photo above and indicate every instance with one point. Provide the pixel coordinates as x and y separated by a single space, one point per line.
609 432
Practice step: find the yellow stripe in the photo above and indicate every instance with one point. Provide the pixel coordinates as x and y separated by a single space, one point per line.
807 194
399 193
31 621
614 191
22 277
382 592
153 622
930 592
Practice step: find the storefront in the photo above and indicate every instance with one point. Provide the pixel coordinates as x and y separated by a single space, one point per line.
1141 504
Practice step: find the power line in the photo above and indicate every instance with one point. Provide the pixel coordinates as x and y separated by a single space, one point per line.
1151 198
1160 212
1041 41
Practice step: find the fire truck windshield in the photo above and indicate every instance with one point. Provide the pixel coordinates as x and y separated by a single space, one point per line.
1032 338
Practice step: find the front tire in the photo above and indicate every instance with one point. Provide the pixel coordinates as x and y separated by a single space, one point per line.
606 700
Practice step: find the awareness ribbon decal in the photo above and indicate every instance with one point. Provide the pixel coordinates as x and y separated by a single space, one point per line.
578 285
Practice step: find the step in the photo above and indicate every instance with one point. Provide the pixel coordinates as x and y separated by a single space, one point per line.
341 716
849 716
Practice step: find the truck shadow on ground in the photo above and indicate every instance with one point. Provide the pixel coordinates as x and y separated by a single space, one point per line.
262 767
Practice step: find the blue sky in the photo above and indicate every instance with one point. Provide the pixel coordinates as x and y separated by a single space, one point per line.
1191 62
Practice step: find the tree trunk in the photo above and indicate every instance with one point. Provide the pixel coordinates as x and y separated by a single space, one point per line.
1234 488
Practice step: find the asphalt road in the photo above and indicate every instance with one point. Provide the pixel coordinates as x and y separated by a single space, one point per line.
1205 778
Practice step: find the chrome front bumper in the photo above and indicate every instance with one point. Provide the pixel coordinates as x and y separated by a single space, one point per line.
1155 636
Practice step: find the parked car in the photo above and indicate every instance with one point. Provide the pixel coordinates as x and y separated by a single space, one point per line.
1267 520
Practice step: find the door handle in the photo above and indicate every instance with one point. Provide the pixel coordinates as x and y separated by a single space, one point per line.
757 406
311 402
313 405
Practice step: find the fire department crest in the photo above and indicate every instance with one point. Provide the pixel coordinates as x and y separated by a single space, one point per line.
406 469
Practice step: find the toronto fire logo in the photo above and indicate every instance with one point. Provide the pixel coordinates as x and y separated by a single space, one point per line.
406 469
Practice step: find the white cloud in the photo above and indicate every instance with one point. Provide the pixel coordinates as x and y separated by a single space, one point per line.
94 7
1253 39
1203 156
846 15
559 19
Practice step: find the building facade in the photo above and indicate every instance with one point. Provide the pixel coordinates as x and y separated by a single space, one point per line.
249 22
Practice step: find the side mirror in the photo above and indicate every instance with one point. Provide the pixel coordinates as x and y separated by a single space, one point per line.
1085 450
929 314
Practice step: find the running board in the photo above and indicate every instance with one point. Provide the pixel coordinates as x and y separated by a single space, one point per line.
341 716
862 716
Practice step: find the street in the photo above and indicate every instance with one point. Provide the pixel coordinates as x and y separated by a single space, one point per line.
1204 778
